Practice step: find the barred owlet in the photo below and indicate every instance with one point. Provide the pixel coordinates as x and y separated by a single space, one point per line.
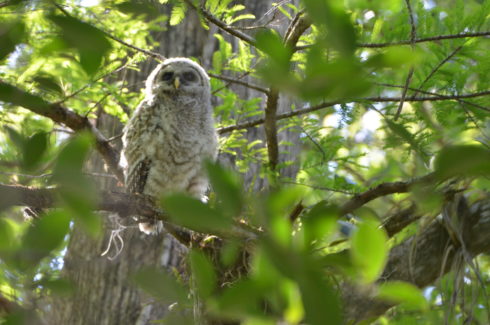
170 133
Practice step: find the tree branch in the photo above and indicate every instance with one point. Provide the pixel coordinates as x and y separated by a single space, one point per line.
222 25
297 27
126 205
434 98
423 258
381 190
60 114
417 40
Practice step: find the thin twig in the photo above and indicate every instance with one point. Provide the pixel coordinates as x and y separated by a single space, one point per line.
221 24
239 82
413 36
436 68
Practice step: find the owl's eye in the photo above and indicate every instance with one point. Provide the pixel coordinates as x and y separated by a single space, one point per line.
167 76
189 76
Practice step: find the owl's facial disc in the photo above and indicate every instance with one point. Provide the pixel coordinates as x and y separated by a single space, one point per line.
180 80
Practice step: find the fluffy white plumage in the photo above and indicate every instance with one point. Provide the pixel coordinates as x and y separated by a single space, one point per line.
170 133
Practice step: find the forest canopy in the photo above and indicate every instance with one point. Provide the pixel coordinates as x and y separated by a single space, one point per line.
352 183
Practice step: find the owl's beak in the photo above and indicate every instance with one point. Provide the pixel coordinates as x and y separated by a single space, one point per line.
176 83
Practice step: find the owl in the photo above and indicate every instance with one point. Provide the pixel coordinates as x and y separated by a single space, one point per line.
170 134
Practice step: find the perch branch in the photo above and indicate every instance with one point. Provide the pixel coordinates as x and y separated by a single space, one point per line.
124 204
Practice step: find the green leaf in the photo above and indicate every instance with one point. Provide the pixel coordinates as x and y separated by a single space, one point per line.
34 149
227 186
14 95
7 238
203 273
161 285
406 136
369 250
194 214
462 160
11 34
403 293
43 236
178 13
146 9
320 302
79 194
331 18
47 83
89 41
271 44
60 287
319 222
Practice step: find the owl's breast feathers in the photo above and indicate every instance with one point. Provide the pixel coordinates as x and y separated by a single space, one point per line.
165 149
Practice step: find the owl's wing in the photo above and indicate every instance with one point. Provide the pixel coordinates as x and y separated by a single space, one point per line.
136 179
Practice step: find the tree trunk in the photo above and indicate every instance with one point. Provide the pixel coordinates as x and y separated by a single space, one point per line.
104 293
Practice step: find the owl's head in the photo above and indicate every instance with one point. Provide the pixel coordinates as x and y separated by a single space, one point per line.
178 76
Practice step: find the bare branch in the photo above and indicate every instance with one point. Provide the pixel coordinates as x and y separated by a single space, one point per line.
381 190
413 36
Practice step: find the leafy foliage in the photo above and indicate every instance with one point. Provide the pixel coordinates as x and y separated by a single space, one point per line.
357 117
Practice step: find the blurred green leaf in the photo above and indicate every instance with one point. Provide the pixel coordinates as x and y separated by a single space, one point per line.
462 160
162 286
47 83
148 9
319 222
78 194
178 13
14 95
203 273
194 214
400 130
7 237
43 236
11 34
34 150
332 19
60 287
402 292
89 41
369 250
228 188
320 301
